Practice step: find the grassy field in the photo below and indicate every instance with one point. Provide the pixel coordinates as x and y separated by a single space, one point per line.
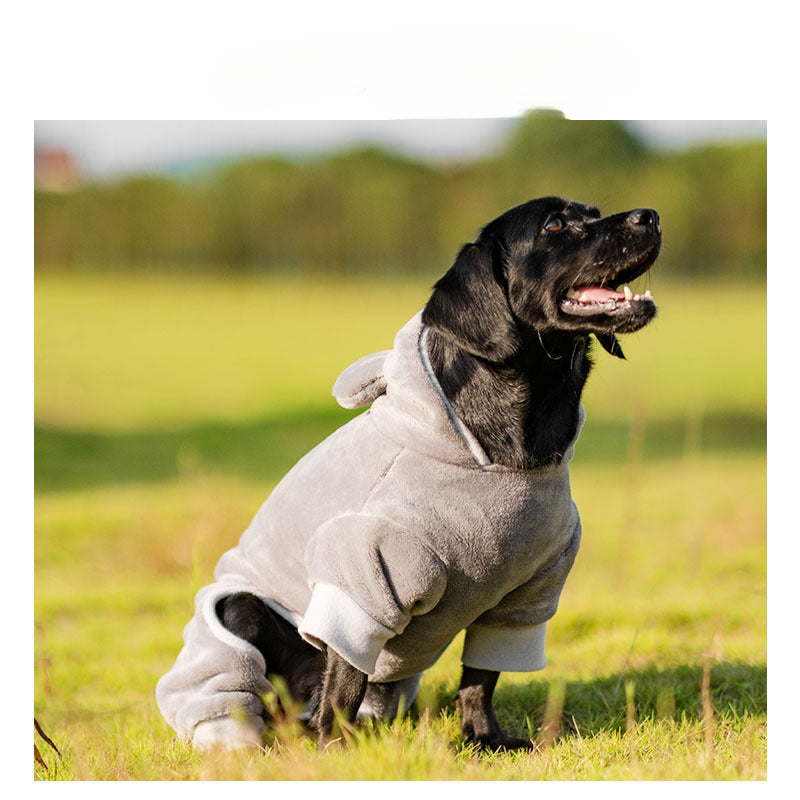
166 409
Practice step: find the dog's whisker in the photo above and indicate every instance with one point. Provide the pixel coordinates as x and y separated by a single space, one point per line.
572 357
552 358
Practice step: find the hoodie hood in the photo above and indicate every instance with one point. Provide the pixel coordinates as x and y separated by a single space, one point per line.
409 405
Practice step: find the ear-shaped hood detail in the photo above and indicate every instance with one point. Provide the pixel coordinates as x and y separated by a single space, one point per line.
362 382
409 405
470 305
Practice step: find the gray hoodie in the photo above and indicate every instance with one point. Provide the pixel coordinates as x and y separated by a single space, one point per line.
384 542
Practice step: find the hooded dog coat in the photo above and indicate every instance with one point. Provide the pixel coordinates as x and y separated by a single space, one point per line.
384 542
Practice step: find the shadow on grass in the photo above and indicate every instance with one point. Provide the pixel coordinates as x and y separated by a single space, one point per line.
265 449
262 449
601 705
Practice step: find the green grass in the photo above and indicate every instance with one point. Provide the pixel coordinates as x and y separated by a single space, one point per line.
167 409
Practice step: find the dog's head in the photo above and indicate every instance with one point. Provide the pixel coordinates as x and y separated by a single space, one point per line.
549 264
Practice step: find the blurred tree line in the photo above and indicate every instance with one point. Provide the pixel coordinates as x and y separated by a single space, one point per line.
368 210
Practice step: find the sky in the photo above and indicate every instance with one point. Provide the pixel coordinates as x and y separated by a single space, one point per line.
109 148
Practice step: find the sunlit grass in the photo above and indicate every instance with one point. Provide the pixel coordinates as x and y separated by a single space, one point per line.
126 352
168 409
653 596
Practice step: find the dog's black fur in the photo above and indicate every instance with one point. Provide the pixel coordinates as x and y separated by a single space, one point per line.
511 351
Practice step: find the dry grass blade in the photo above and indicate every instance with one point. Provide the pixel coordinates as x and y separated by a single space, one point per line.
627 661
708 708
38 729
551 724
713 653
37 757
630 705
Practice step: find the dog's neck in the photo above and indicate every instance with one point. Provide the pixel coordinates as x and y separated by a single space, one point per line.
523 412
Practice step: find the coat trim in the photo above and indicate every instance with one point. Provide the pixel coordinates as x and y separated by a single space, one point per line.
478 453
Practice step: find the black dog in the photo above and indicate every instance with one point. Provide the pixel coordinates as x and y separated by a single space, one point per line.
509 343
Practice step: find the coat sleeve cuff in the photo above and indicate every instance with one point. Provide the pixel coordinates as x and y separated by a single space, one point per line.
230 732
334 619
505 649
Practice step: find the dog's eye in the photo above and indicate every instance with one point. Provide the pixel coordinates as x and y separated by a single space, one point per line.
555 224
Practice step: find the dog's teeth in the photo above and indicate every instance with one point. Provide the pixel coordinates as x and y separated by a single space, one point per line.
626 290
574 294
647 295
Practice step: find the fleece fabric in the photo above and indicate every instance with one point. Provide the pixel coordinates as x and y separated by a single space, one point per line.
384 542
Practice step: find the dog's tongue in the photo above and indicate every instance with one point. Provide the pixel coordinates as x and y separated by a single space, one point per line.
597 294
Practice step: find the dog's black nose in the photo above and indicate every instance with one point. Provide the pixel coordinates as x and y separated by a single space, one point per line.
646 217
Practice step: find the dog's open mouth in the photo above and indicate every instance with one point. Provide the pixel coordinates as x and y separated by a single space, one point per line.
589 300
607 298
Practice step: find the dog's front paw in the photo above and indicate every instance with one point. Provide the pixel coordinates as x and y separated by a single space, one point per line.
479 724
499 740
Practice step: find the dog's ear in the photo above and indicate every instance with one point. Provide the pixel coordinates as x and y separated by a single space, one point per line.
610 344
470 305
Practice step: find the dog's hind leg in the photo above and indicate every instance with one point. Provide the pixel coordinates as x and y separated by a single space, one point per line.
247 616
478 722
286 654
213 694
